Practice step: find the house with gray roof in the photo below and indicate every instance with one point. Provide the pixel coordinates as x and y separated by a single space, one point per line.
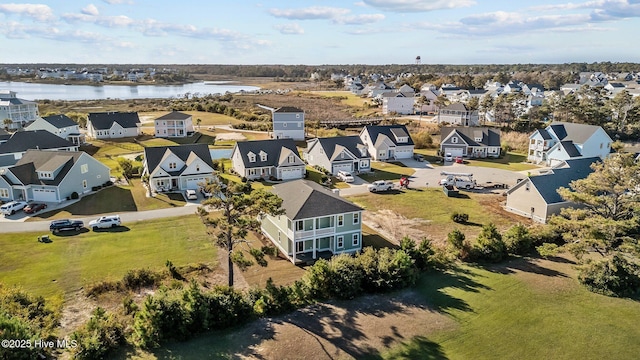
176 168
397 102
52 176
476 142
317 223
340 153
387 142
562 141
60 125
113 125
173 124
19 111
14 148
287 121
537 198
458 114
267 159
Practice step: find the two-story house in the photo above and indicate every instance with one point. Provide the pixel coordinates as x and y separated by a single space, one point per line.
387 142
288 122
60 125
267 159
14 148
113 125
394 102
340 153
478 142
19 111
173 124
562 141
180 167
317 223
458 114
52 176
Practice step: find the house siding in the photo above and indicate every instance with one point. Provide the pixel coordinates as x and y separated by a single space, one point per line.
288 125
521 201
98 174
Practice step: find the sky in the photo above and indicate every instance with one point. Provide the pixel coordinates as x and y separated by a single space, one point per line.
317 32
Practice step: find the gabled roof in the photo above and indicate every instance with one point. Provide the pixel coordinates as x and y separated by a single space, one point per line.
22 141
37 160
490 137
302 199
544 134
570 148
578 133
376 130
174 115
456 106
288 109
548 184
104 120
154 155
351 143
273 148
60 121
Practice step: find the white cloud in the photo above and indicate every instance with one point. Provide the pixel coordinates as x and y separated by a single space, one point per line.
289 29
90 10
418 5
115 2
359 19
36 11
310 13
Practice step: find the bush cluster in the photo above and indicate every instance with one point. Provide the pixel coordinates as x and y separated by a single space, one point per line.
614 276
460 218
101 334
132 280
491 245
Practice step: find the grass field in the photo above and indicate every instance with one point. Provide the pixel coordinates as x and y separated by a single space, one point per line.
75 260
386 171
510 161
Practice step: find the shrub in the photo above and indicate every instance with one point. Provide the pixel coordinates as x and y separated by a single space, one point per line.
460 218
244 179
136 279
345 281
74 195
101 334
456 239
489 245
422 255
269 250
259 256
517 240
238 258
547 249
613 276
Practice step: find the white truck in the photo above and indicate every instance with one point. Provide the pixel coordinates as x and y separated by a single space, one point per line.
459 180
380 186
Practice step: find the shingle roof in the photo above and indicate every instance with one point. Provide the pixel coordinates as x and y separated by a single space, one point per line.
288 109
547 185
104 120
545 134
153 155
377 130
351 143
457 106
273 148
174 115
570 148
490 137
304 199
22 141
578 133
34 160
60 121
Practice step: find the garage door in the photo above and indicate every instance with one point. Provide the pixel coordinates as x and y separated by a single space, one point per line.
192 184
288 174
403 154
342 167
45 195
455 151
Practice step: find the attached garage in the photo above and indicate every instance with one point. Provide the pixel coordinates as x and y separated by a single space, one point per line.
342 167
403 153
45 195
454 151
292 173
194 184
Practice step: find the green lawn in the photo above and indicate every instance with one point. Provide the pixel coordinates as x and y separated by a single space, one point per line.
75 260
386 171
538 313
510 161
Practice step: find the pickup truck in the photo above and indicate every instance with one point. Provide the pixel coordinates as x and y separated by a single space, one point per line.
65 225
380 185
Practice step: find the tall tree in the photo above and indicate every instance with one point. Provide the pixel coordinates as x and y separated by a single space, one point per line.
237 210
621 104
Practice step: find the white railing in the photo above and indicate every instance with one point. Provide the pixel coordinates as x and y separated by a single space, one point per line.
325 231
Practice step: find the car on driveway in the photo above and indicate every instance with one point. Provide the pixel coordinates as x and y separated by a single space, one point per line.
191 195
380 186
345 176
205 193
12 207
418 157
448 157
34 208
104 222
65 225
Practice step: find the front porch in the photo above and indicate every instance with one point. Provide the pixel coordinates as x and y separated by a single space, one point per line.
306 258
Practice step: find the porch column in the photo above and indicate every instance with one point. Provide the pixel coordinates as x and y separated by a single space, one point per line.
315 240
294 251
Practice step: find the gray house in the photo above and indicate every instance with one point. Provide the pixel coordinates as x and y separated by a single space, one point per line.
51 176
178 167
458 114
265 159
346 153
288 122
60 125
12 150
478 142
387 142
317 223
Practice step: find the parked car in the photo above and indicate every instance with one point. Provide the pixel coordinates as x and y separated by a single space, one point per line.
380 185
191 195
12 207
104 222
459 160
205 193
448 157
418 157
345 176
34 207
65 225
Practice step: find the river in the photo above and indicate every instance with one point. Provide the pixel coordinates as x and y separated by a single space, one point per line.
36 91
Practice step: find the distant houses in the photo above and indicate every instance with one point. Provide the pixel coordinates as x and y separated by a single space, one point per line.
19 111
173 124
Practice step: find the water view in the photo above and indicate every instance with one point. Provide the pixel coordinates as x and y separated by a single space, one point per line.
35 91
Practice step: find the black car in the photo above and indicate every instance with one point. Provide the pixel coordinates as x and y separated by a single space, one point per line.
65 225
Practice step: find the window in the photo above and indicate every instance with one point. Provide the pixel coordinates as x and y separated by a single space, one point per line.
299 225
356 240
297 116
263 157
299 125
4 193
291 159
284 124
300 246
84 168
340 220
356 218
601 145
454 140
526 186
252 157
340 242
84 184
172 165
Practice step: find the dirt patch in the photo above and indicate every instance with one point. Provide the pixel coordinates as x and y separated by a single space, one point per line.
145 119
394 226
76 312
230 136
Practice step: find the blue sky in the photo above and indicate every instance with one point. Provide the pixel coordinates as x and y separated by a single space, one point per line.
318 32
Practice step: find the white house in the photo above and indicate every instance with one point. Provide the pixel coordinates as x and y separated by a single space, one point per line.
478 142
60 125
394 102
346 153
562 141
387 142
267 159
113 125
458 114
19 111
173 124
181 167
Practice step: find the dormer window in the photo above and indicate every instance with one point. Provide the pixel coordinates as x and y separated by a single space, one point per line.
45 175
252 157
263 156
478 139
